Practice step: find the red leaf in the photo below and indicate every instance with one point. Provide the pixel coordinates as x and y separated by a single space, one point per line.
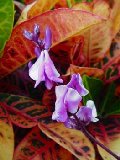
37 146
64 23
24 112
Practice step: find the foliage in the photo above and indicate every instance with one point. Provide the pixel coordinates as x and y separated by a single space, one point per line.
6 22
85 40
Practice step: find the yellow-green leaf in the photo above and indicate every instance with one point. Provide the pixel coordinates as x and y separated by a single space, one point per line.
6 22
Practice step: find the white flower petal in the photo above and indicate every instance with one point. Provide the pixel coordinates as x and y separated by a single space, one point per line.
37 69
60 91
91 105
72 100
50 69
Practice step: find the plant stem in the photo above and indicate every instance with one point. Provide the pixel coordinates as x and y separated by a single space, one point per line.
97 142
84 130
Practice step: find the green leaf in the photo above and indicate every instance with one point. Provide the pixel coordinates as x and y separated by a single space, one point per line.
114 109
69 3
6 21
109 98
78 1
89 0
94 85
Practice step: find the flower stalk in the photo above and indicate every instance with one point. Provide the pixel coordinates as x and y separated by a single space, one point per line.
82 128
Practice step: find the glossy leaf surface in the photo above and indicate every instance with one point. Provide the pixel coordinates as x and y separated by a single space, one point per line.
28 109
73 140
97 39
36 145
74 21
95 72
95 87
24 111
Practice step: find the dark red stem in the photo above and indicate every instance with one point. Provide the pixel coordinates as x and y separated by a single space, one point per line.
85 131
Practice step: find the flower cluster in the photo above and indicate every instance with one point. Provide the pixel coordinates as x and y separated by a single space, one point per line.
68 98
43 69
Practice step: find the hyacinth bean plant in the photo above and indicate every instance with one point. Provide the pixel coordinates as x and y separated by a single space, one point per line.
60 80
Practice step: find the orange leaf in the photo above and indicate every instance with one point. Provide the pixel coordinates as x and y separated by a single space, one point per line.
99 73
98 38
41 6
73 140
64 23
115 16
97 7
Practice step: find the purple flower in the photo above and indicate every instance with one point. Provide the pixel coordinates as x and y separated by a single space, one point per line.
68 98
77 84
42 44
88 113
44 70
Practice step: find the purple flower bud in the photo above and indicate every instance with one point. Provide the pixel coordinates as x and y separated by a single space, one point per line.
36 30
48 38
36 33
44 70
28 35
77 84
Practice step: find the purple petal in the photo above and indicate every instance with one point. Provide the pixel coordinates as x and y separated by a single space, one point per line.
36 33
48 38
30 64
60 116
37 51
48 83
60 113
72 100
85 114
61 89
28 35
70 123
77 84
36 30
50 69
